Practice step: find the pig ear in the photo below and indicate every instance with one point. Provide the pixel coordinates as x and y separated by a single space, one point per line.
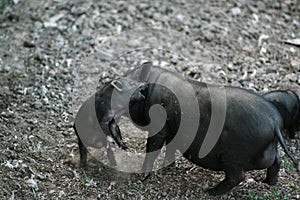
145 71
117 84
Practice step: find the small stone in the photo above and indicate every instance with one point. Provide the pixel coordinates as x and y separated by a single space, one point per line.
61 194
236 11
50 24
131 9
38 104
4 90
255 18
209 36
37 55
295 64
52 191
105 56
180 17
157 16
230 66
250 180
164 64
292 50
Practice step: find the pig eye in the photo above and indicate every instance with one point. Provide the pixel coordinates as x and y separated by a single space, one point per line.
117 84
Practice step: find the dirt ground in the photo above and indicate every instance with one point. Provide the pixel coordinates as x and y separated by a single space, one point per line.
54 52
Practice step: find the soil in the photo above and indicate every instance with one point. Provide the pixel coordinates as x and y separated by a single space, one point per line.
55 53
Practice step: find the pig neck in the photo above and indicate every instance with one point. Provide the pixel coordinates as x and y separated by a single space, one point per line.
103 104
137 111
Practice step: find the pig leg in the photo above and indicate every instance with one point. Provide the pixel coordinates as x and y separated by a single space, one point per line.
110 154
82 150
269 159
272 172
169 159
116 134
83 153
233 176
117 137
153 147
292 133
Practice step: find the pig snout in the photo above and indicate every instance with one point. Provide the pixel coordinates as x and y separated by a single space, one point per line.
138 93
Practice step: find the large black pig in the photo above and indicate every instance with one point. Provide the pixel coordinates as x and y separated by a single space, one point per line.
237 130
288 104
96 118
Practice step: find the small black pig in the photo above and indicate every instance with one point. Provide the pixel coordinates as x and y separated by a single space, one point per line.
249 134
288 104
96 118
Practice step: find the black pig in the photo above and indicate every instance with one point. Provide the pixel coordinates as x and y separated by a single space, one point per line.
96 118
288 104
249 132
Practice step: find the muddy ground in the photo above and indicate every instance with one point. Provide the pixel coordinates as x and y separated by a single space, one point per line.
53 54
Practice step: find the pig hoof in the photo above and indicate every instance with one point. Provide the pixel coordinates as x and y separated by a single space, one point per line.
125 148
83 168
214 191
270 181
83 165
146 175
168 168
170 165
